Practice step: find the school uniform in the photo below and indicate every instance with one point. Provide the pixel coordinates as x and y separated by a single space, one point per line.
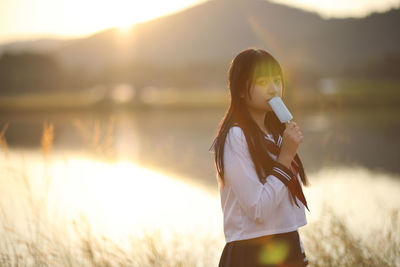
260 222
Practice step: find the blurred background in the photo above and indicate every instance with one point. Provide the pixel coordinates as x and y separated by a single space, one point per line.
108 109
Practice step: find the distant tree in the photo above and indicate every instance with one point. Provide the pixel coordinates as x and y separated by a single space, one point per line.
387 66
29 72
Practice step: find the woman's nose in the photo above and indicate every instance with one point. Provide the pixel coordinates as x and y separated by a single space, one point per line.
274 90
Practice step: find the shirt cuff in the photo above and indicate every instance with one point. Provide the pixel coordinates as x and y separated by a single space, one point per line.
281 172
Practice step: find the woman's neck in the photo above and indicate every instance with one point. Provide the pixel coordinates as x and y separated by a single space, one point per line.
259 116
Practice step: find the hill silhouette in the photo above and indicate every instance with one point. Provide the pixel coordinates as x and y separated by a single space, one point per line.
207 36
216 30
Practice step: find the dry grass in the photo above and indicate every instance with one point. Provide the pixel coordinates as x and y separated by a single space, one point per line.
47 138
98 144
3 141
328 242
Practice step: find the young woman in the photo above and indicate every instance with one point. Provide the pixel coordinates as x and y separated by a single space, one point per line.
258 169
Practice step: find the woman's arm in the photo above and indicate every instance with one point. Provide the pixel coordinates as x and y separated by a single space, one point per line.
257 200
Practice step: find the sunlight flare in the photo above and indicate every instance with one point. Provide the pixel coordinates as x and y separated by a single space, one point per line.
122 199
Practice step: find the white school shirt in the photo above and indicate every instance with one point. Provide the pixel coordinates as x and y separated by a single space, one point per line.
252 209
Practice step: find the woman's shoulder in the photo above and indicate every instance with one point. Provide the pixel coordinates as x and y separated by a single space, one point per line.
235 135
236 131
235 141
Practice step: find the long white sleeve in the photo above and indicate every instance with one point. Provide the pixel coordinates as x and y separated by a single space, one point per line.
257 200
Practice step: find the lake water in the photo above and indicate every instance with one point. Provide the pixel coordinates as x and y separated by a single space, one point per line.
161 174
178 140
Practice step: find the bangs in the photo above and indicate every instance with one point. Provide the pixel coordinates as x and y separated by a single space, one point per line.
266 68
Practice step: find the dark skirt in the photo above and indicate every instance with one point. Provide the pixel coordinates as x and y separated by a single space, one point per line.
281 250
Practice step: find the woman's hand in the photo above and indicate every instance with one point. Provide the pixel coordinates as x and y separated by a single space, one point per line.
291 139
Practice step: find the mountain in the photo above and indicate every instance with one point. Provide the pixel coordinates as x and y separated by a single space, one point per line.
45 45
215 31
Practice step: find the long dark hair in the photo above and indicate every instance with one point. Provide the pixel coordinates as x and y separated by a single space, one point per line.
244 69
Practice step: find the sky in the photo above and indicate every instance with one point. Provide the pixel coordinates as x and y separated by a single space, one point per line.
33 19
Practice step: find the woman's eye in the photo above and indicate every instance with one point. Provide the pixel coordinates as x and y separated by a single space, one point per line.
265 82
262 82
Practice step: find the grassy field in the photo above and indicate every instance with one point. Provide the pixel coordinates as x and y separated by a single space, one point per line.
327 242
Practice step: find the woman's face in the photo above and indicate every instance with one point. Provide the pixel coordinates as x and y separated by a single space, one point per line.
263 89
